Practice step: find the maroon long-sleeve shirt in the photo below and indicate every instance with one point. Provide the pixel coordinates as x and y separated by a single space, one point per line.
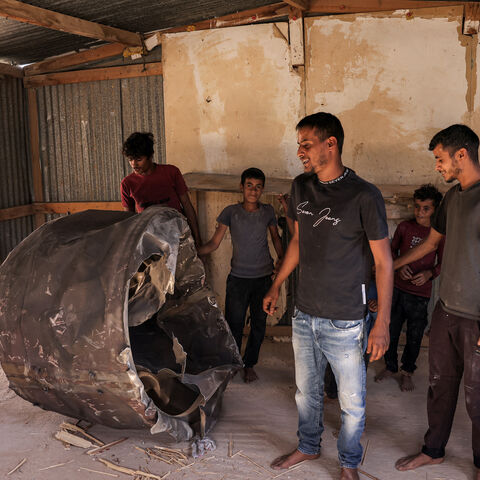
407 235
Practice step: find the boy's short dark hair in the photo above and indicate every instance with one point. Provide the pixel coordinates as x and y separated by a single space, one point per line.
253 173
325 125
138 144
454 138
428 192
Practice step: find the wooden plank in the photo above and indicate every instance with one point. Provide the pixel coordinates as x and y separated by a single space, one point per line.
94 74
25 13
72 59
11 70
35 152
16 212
74 207
471 20
269 12
218 182
364 6
301 4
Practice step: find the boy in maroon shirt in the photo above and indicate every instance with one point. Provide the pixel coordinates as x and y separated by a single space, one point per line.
413 286
154 184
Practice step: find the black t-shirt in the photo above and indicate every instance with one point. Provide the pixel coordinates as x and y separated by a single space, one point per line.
458 217
336 220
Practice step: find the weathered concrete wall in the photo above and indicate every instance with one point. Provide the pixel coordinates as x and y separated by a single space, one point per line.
231 100
394 80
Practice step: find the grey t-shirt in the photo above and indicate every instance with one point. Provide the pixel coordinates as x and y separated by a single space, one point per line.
458 217
251 256
336 220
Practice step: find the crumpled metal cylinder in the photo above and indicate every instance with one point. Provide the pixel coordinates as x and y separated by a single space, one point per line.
105 316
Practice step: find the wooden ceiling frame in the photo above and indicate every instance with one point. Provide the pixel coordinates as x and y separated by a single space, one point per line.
22 12
300 4
11 70
269 12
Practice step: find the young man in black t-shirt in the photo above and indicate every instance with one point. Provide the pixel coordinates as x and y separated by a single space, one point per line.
339 222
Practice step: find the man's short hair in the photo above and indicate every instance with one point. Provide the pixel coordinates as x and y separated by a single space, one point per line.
253 173
325 125
428 192
456 137
138 144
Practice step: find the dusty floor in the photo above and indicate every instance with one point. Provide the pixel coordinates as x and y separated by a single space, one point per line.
260 417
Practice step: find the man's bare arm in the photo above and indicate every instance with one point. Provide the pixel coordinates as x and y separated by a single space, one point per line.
214 242
379 338
429 245
191 217
277 244
290 261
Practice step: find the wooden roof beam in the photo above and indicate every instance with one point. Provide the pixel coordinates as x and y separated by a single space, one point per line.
367 6
94 75
11 70
61 62
25 13
300 4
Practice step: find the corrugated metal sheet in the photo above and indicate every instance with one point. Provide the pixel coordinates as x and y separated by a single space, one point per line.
24 43
14 161
82 128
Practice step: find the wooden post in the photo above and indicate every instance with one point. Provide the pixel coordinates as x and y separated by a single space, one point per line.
35 153
295 25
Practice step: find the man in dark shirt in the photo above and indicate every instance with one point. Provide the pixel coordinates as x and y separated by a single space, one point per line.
339 222
154 184
455 332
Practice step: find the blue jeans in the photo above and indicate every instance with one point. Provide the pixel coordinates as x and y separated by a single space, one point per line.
316 342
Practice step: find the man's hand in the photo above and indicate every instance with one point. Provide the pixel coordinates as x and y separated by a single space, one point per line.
373 306
405 273
270 300
378 341
421 278
478 342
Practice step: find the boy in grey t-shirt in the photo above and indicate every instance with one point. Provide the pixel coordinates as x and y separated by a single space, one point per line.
252 265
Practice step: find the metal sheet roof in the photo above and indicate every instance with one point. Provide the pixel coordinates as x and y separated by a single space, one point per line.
22 43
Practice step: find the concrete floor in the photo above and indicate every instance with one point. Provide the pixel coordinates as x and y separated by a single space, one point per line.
261 420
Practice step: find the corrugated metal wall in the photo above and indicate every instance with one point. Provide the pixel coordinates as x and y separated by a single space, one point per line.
82 127
15 176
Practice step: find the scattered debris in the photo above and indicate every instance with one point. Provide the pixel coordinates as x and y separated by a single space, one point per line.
255 463
98 471
17 467
367 475
71 439
55 466
200 446
365 452
75 428
106 446
289 470
230 446
131 471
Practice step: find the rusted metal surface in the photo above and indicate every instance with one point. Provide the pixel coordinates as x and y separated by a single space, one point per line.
15 164
94 302
82 128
